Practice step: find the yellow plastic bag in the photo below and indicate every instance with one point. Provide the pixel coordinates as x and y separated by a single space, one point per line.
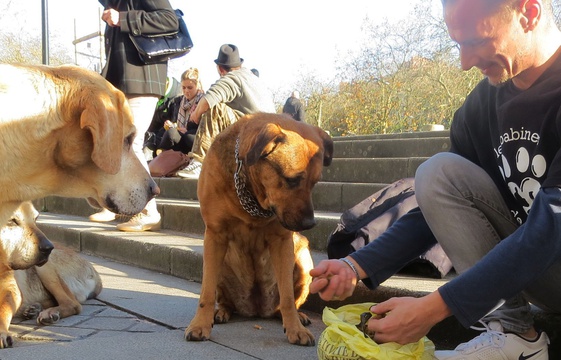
342 340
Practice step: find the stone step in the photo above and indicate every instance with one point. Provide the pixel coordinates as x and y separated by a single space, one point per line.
342 170
405 135
387 148
371 170
327 196
184 216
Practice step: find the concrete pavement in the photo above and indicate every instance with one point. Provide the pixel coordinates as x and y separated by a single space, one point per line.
142 314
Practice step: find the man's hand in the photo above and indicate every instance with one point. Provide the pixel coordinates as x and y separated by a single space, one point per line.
405 320
333 280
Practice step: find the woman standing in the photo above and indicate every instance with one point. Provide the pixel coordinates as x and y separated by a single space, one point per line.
143 84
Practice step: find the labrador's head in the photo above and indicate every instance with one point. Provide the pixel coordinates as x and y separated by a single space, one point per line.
22 244
95 147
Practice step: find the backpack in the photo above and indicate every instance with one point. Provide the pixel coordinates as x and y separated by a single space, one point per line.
368 219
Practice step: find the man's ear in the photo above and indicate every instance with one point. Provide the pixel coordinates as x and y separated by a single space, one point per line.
531 11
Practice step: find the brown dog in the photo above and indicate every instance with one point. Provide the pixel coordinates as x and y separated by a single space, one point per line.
67 131
29 283
255 192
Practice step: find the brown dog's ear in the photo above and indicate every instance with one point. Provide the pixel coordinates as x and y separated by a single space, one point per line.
267 140
327 147
105 122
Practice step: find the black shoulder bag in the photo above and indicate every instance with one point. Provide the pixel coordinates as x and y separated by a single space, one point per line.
162 47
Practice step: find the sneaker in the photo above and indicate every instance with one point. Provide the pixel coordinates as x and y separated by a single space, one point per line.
192 171
495 344
141 222
103 216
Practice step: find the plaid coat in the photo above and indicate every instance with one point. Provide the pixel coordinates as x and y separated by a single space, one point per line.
123 67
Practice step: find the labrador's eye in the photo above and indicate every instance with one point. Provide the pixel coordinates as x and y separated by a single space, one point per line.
128 141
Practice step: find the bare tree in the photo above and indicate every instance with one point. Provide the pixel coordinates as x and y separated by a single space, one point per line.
406 75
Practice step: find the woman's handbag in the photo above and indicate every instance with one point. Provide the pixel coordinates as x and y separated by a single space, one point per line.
162 47
167 163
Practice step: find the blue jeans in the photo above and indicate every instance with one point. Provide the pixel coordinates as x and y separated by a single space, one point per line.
468 217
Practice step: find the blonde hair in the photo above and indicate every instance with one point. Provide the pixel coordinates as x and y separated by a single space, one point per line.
193 75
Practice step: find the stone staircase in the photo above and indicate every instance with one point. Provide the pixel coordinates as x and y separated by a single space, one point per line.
361 166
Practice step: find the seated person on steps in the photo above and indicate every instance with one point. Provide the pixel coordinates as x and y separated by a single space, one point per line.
153 135
179 131
238 92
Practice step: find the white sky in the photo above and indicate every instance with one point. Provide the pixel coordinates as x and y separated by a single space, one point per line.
282 39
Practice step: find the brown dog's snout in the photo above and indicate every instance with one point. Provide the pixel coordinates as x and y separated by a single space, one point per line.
297 222
307 223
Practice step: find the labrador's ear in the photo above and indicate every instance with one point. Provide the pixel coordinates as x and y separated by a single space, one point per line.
267 140
104 116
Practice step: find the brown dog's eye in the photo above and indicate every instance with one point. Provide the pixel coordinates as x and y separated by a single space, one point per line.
293 182
13 222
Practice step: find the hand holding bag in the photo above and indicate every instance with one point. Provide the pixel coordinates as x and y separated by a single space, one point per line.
343 340
162 47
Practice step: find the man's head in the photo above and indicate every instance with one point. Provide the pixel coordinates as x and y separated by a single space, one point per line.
502 38
228 58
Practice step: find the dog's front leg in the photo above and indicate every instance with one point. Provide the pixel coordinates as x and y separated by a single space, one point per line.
10 301
67 304
283 265
214 252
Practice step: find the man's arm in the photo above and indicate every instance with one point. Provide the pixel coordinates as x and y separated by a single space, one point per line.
201 108
405 240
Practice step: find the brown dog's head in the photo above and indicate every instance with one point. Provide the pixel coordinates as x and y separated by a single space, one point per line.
22 244
284 160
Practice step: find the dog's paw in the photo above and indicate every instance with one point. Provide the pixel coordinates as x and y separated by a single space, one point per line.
197 333
304 319
48 317
6 340
300 337
32 311
222 316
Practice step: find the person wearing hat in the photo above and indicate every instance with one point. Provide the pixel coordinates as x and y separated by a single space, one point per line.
236 93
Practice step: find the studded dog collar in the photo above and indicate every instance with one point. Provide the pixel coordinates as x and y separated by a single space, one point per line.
247 199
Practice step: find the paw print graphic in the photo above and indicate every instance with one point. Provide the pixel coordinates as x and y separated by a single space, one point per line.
522 179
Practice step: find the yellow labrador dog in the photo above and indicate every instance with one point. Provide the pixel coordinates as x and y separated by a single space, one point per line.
67 131
255 191
31 286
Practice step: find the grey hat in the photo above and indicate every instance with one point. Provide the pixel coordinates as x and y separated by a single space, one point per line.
229 56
